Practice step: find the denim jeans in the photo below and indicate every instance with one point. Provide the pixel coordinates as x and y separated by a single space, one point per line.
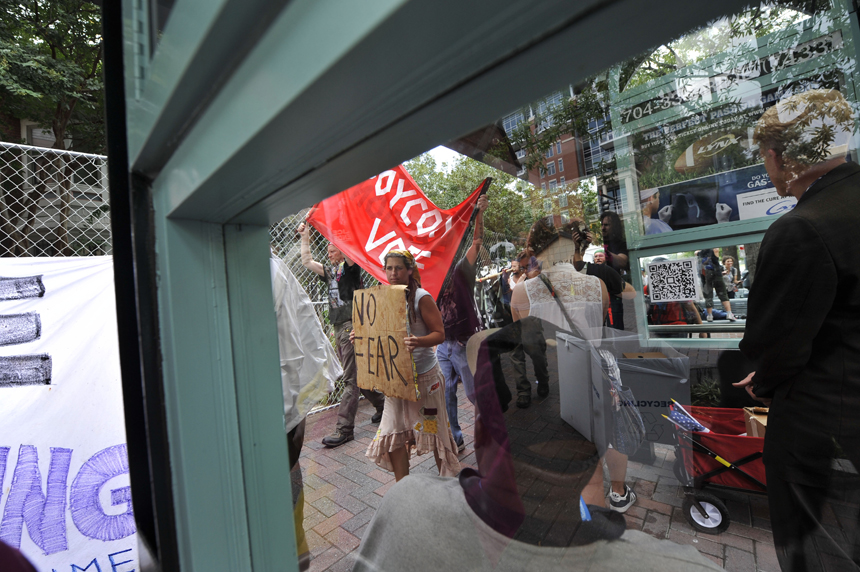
451 355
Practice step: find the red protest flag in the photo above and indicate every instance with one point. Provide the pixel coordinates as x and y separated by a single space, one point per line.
390 212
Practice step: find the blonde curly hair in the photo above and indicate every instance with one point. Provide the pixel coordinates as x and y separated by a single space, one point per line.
807 128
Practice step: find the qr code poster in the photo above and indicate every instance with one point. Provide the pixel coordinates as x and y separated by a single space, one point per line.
674 280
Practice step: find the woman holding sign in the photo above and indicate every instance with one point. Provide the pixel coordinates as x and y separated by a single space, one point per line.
421 424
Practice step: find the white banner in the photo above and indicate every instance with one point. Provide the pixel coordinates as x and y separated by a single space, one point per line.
765 202
64 485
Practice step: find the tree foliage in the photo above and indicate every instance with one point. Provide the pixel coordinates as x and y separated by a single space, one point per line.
51 68
449 185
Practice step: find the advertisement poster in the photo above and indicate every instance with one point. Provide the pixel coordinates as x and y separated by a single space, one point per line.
702 162
65 499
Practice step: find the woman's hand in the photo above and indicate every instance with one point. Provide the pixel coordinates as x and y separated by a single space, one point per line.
352 337
411 342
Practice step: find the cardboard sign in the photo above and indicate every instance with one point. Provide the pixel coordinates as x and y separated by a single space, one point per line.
65 499
756 421
381 321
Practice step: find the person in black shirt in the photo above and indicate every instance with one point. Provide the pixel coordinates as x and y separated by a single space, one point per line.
617 287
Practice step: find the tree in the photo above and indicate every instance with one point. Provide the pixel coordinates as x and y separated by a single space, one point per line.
51 68
448 186
51 73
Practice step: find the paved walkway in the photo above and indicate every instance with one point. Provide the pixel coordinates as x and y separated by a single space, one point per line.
343 490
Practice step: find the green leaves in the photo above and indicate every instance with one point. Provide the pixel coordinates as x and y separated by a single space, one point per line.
51 66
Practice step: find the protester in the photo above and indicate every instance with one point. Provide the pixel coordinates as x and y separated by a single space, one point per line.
460 319
712 279
342 278
532 342
526 507
309 368
422 424
614 243
804 335
617 257
731 276
615 285
599 256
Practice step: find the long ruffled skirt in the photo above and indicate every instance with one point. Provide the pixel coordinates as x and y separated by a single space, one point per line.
421 425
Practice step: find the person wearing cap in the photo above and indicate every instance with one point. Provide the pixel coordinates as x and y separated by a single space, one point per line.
803 336
649 202
342 278
420 425
599 256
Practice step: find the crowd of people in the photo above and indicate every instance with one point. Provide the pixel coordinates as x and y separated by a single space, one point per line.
537 496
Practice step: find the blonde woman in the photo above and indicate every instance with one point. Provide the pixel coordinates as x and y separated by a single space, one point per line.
422 425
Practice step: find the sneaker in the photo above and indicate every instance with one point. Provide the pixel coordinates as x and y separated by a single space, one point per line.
543 389
524 400
377 417
337 439
621 503
461 446
710 318
731 317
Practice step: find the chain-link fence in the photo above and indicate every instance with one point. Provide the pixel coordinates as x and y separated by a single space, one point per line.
52 202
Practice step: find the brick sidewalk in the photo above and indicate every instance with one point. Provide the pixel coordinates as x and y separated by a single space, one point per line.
343 490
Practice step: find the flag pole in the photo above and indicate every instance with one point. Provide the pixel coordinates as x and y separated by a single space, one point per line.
485 186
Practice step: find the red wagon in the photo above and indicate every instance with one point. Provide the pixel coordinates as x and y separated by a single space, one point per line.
724 458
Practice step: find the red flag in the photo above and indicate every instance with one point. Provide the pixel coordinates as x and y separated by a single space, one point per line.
389 212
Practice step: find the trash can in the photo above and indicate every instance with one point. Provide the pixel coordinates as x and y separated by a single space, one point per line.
658 376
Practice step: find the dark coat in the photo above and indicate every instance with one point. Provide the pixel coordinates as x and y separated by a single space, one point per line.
803 329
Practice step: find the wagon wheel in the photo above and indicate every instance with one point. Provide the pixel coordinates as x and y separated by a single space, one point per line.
716 518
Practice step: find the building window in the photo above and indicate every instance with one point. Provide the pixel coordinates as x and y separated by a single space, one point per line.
511 122
558 147
547 205
560 165
565 217
561 181
553 185
550 103
542 172
550 168
549 152
562 201
521 154
543 186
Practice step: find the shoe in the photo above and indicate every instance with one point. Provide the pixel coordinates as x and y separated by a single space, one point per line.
524 400
377 417
621 503
731 317
461 446
710 318
337 439
543 389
